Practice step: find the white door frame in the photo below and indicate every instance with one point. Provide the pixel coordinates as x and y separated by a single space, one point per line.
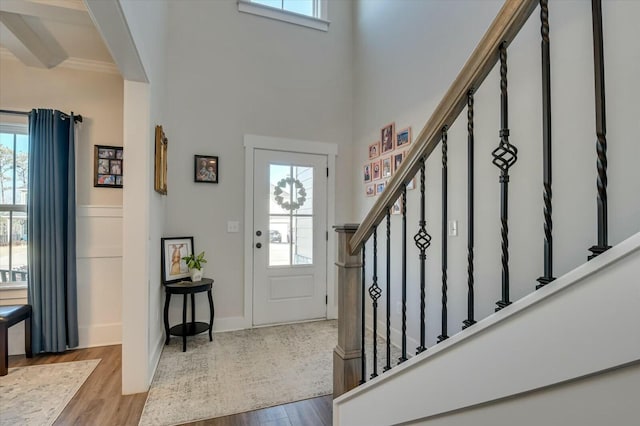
253 142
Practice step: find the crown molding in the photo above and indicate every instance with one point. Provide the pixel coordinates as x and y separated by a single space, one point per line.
73 63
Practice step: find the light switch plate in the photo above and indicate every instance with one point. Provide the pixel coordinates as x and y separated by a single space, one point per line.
453 228
233 226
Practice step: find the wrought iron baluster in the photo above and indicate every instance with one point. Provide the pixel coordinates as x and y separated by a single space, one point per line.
403 357
546 146
601 131
363 353
443 335
422 240
504 156
374 293
470 302
388 366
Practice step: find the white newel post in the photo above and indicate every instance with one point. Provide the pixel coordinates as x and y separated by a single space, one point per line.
347 354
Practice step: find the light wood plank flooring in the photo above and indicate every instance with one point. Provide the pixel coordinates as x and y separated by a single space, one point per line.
99 402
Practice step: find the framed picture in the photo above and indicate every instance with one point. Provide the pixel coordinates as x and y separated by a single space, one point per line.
367 172
108 166
411 184
370 190
397 207
387 168
175 269
160 178
397 160
380 187
387 136
376 172
403 138
374 150
205 169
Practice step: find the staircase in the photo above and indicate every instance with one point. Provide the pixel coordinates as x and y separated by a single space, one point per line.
567 353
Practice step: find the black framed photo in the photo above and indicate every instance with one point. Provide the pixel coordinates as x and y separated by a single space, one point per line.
206 169
108 166
175 269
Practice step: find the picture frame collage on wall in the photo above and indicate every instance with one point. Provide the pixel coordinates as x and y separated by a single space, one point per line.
108 166
384 158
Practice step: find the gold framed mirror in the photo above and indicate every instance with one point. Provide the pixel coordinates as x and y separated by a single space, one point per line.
160 184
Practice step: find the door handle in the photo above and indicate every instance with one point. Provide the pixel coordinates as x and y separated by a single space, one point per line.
259 245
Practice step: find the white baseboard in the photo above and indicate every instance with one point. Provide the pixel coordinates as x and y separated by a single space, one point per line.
156 351
100 335
89 337
230 324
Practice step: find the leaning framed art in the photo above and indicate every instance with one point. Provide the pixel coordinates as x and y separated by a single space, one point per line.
173 249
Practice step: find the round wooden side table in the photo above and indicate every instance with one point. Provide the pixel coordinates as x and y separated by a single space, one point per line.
188 328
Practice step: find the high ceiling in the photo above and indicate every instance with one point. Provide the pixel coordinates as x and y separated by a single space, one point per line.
50 33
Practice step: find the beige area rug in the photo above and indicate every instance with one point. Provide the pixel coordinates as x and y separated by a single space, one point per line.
241 371
37 394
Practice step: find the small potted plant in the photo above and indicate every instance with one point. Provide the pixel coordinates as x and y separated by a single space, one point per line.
195 265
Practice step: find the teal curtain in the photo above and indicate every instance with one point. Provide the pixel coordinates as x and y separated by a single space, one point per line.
51 224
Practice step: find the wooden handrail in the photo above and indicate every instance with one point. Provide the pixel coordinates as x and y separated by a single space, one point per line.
505 26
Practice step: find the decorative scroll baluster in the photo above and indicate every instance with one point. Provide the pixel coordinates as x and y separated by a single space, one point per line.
601 131
403 357
374 293
443 335
504 156
470 303
388 366
363 359
422 240
546 146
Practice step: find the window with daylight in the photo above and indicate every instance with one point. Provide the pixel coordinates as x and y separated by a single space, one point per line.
14 169
307 13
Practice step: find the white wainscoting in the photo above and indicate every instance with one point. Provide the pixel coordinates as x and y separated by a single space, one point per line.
99 251
99 266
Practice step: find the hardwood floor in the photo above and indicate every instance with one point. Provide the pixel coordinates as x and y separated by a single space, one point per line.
310 412
99 402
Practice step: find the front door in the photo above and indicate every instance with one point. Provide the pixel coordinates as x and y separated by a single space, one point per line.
289 237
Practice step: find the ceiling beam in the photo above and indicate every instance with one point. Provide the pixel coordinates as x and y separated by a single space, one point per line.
26 45
68 12
112 25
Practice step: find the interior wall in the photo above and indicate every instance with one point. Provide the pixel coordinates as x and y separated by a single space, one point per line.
98 97
232 74
402 76
147 22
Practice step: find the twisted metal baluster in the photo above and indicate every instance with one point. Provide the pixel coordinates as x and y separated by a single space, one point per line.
443 335
470 314
547 277
504 156
374 293
403 357
601 131
388 366
363 353
422 240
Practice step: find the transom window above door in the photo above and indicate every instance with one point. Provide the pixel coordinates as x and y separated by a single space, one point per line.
307 13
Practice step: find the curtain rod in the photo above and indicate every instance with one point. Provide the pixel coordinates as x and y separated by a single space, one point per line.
76 118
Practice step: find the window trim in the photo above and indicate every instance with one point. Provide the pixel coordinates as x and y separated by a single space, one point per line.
321 24
19 129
